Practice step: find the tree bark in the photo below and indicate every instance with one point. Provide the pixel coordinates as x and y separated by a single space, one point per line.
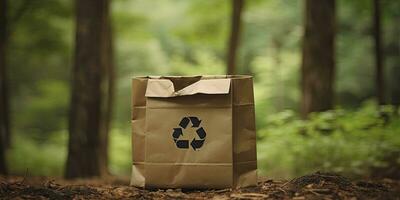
379 74
234 38
393 50
318 61
92 91
4 104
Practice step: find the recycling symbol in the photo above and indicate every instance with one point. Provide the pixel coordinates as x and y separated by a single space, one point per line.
178 132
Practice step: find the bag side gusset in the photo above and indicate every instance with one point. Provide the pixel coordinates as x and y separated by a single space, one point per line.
138 117
244 133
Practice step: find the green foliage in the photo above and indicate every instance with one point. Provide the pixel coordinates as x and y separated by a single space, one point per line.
347 142
50 103
38 60
47 158
120 152
29 157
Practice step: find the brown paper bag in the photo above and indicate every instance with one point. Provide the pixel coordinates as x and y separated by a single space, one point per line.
193 132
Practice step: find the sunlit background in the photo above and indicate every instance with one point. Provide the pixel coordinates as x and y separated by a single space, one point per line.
178 37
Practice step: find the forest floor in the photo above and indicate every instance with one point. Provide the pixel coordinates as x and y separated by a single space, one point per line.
314 186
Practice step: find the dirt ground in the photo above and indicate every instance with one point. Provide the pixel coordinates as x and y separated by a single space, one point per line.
313 186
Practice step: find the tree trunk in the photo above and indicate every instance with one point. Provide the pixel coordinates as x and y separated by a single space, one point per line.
234 35
318 61
379 75
4 106
394 51
92 91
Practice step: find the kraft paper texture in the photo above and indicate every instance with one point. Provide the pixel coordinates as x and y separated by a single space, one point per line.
193 132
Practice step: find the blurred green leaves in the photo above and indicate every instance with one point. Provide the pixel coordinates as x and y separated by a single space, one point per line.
347 142
50 102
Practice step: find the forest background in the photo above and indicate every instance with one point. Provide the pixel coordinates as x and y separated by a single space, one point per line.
357 134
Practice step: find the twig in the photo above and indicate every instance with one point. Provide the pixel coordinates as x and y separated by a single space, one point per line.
315 193
249 195
320 190
223 190
279 188
285 183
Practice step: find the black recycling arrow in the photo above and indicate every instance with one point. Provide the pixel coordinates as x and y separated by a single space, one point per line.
177 132
195 121
201 133
183 144
196 144
184 122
